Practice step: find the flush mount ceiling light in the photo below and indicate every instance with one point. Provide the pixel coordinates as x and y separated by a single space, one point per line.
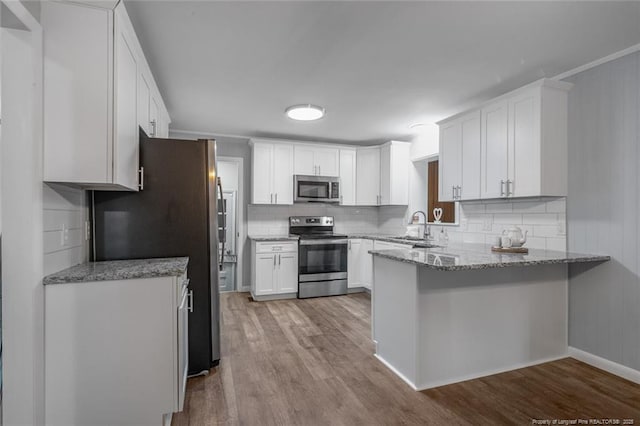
415 125
305 112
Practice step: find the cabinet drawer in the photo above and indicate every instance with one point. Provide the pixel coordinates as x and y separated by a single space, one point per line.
277 247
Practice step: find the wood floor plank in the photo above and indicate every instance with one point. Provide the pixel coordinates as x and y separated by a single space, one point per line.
310 362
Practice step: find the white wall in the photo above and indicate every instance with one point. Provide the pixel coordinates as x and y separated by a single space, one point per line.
64 214
22 272
425 143
603 207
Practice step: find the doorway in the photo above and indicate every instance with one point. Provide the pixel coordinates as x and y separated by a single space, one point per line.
230 171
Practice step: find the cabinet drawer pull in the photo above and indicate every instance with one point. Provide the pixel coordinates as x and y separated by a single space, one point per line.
502 188
509 184
190 303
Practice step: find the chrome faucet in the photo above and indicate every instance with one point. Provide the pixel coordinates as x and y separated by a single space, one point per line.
426 235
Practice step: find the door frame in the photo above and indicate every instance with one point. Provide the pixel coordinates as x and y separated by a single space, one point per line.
241 225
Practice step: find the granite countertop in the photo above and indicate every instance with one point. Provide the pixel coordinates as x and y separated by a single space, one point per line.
387 238
274 237
120 270
479 256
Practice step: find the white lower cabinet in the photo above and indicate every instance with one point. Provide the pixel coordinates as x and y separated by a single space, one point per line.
116 352
354 264
274 269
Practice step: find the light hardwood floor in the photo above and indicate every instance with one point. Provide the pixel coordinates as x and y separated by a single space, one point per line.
310 362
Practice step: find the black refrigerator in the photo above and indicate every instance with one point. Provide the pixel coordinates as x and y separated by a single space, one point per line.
174 214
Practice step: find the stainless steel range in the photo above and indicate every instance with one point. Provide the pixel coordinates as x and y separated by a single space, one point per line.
322 257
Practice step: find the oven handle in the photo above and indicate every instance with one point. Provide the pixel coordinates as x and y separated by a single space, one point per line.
322 242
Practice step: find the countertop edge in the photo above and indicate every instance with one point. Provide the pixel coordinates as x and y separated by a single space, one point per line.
493 265
120 271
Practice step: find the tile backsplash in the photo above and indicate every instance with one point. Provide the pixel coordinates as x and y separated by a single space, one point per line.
479 221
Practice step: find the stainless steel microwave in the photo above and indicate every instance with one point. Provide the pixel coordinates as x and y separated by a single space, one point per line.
316 189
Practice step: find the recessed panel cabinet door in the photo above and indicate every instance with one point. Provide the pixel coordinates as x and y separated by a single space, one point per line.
287 273
262 163
304 161
385 175
327 161
524 144
470 161
126 148
450 160
348 177
495 150
354 264
368 177
266 274
282 174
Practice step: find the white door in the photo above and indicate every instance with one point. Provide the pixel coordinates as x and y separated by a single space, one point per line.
126 161
524 144
354 267
266 274
385 175
262 162
304 161
282 170
449 160
144 96
327 161
368 177
348 177
495 149
470 151
366 264
287 273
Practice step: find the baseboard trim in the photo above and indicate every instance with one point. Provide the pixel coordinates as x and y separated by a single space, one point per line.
606 365
396 372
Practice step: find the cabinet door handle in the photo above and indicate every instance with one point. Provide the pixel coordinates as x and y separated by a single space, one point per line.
153 128
279 260
271 202
319 170
509 184
453 192
502 188
276 198
459 192
190 301
274 261
141 178
349 244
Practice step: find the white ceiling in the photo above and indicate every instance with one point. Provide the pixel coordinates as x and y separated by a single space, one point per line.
233 67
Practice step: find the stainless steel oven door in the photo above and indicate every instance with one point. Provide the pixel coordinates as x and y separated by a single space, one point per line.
322 260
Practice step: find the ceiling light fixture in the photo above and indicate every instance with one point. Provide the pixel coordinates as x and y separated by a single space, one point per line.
305 112
415 125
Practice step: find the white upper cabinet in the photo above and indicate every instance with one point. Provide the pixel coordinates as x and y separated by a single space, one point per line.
92 96
272 172
317 161
348 177
459 168
368 176
522 146
495 153
394 173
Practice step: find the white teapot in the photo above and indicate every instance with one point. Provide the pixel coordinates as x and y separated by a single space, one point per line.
516 236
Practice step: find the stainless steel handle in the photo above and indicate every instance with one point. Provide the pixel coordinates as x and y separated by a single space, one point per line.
453 192
509 191
141 178
186 282
279 260
190 304
271 201
321 242
502 188
274 260
153 128
320 170
458 192
349 244
224 220
276 198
